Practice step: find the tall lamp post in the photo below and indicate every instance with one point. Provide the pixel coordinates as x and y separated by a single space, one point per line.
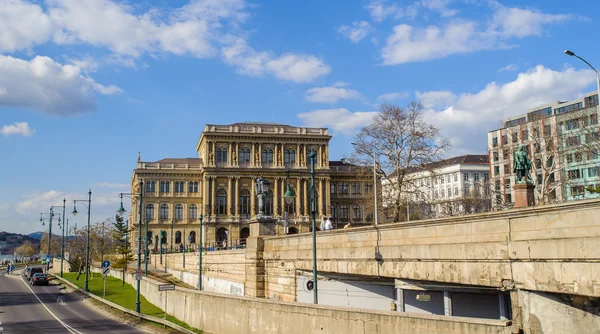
288 197
121 212
374 184
62 247
572 54
200 254
312 157
87 246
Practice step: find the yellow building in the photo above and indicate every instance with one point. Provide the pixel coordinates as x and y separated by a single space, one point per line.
219 184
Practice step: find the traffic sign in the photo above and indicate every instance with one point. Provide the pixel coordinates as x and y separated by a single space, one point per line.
166 287
105 264
105 271
138 275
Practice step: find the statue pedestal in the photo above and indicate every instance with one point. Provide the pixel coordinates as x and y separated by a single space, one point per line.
524 195
254 284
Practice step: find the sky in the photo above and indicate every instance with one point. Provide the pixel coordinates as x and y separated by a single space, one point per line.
87 84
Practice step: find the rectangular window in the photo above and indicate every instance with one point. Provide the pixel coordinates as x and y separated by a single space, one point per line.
539 179
506 170
486 177
593 171
435 194
592 137
574 174
525 134
333 185
547 130
456 177
573 141
496 156
515 137
507 183
568 108
434 181
447 178
465 176
442 193
441 180
476 177
508 198
594 119
577 190
449 192
505 154
495 141
578 157
455 191
504 140
496 170
593 154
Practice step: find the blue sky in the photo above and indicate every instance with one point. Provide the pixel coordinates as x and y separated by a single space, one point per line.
86 84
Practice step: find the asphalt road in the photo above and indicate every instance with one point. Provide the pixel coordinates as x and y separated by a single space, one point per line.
43 309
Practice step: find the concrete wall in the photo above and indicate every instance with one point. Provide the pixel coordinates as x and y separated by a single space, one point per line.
548 248
553 313
209 284
228 265
217 313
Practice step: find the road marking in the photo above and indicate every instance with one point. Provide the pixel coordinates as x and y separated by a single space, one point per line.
67 327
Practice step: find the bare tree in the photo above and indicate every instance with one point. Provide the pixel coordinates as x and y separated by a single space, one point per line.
55 244
27 249
401 140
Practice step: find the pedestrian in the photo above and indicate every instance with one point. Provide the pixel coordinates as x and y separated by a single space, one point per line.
328 224
349 225
323 228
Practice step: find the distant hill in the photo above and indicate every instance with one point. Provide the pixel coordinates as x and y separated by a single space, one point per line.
10 241
36 235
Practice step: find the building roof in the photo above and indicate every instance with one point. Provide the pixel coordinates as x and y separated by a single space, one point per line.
180 161
260 123
340 163
467 159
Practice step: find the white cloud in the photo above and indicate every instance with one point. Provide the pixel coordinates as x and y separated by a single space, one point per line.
340 84
509 67
87 64
409 43
341 119
521 23
330 94
390 97
379 10
434 99
50 87
440 6
19 128
467 121
23 25
292 67
356 32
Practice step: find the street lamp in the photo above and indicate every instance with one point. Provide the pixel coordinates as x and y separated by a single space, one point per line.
87 246
289 199
200 254
374 182
571 53
312 157
122 211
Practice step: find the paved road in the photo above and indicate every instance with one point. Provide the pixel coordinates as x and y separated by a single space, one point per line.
35 309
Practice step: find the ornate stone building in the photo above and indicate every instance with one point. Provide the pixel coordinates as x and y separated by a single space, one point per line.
219 184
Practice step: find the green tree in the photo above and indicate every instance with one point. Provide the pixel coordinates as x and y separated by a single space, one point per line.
120 235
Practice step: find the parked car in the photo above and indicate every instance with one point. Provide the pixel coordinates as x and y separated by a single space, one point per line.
33 271
40 279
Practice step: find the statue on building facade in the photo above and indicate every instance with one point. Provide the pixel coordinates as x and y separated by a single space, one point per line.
522 165
233 156
261 187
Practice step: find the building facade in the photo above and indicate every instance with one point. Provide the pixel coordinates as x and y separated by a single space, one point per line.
219 185
453 186
562 140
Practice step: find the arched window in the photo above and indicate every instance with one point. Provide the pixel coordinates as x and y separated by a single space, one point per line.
290 156
292 230
222 237
177 237
245 155
245 202
179 185
178 211
149 236
244 234
333 213
221 202
164 211
150 211
267 156
193 211
176 187
192 237
343 212
195 186
221 155
357 212
150 186
269 203
191 187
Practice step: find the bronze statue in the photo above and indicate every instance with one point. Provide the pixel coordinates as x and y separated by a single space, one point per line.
522 165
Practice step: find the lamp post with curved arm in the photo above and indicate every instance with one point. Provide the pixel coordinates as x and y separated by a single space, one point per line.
572 54
87 247
312 157
122 211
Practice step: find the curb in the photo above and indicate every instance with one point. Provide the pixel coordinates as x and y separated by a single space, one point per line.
126 310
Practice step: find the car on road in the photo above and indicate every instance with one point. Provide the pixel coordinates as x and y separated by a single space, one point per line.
33 271
26 271
40 279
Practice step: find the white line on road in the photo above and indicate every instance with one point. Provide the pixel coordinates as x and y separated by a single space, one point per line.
69 328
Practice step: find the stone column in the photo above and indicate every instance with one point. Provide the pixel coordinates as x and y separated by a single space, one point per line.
229 156
252 198
254 283
307 211
229 193
204 195
275 196
298 199
327 195
524 195
213 195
